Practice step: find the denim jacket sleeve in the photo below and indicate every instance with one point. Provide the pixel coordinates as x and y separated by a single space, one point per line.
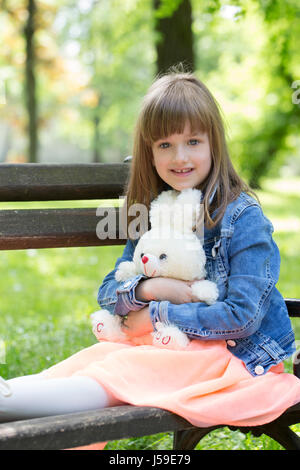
252 260
119 297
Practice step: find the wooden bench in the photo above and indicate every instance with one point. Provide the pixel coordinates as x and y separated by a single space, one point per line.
52 228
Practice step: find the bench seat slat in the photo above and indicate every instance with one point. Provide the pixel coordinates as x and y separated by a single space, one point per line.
53 228
83 428
78 429
53 182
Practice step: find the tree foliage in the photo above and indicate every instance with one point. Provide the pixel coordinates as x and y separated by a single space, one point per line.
281 118
246 51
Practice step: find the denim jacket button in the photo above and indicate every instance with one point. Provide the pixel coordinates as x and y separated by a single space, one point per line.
231 343
259 370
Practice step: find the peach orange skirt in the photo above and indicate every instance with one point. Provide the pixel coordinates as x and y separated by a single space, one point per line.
205 383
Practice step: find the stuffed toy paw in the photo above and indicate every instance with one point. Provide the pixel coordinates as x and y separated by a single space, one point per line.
106 326
206 291
169 337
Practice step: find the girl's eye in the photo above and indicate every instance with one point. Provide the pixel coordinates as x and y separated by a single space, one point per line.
164 145
193 141
163 256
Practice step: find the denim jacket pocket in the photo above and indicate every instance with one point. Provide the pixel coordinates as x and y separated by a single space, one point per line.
269 346
259 352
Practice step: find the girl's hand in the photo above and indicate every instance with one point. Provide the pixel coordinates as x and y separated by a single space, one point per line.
165 288
138 323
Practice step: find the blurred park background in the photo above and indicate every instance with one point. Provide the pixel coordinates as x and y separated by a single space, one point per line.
72 75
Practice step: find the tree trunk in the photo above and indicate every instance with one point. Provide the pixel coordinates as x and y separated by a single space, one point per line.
30 85
96 153
175 43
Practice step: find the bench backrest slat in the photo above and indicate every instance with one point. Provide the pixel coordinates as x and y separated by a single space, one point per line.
57 228
42 182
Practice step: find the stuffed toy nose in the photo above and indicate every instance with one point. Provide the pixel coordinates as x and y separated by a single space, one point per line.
150 265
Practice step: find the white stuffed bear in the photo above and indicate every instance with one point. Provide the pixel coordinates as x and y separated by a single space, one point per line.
170 249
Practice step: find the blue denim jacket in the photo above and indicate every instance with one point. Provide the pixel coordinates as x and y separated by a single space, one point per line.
250 314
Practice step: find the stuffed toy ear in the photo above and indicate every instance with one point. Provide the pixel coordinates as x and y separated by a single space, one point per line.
162 208
178 210
126 270
187 210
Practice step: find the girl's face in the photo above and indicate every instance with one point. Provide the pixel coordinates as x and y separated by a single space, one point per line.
183 160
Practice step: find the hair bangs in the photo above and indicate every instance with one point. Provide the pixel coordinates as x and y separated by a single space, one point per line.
169 114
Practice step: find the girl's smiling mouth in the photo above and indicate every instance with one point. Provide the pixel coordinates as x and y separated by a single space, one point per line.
183 172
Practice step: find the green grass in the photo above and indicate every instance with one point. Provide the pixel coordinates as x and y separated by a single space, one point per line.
46 297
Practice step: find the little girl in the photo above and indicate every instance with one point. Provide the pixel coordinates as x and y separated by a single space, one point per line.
232 371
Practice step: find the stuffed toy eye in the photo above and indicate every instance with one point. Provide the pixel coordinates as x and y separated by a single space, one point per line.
163 256
142 254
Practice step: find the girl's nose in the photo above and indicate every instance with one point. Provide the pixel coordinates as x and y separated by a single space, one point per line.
180 154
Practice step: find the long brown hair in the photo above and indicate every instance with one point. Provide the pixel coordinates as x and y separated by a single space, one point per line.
173 100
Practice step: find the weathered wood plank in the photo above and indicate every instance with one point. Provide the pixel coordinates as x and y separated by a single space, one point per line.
65 431
54 228
78 429
47 182
293 306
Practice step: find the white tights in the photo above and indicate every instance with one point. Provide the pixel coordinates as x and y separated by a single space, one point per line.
33 396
